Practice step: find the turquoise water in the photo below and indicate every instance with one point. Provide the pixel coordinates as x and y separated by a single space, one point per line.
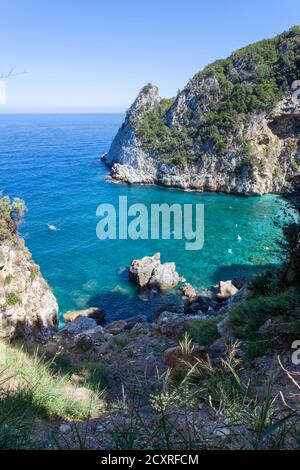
52 162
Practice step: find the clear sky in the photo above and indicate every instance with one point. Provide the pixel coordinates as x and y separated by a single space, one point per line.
95 55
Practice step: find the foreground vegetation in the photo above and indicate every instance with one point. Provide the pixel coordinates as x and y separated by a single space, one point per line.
34 388
223 395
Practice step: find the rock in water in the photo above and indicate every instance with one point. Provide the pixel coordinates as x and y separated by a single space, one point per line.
226 290
189 292
149 272
141 270
164 277
93 312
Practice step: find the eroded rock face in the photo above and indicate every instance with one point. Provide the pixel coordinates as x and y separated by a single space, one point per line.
28 308
274 141
126 157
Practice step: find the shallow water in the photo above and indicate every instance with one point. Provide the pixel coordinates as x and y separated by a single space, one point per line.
52 162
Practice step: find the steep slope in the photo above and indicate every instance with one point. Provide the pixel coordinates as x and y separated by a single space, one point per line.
235 127
28 308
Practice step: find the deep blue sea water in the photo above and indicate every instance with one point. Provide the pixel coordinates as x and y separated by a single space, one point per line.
52 162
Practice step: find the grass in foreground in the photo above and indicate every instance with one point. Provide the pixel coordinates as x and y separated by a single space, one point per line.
32 384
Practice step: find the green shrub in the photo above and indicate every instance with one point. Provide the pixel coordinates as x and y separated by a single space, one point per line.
13 299
246 318
262 283
34 272
257 348
204 331
94 374
8 279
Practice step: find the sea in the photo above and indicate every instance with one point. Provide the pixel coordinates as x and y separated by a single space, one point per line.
52 161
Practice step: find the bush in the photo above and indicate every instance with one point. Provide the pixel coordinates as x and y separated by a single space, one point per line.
13 299
7 279
246 318
262 283
204 331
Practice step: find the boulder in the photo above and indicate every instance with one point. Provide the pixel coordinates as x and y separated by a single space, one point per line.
171 324
84 395
226 289
93 312
168 308
218 346
175 357
141 270
149 272
224 330
189 292
87 339
132 321
116 327
164 277
78 325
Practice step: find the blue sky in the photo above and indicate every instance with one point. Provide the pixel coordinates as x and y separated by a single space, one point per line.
95 55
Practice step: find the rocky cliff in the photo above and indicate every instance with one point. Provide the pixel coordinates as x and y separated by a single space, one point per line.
28 307
235 127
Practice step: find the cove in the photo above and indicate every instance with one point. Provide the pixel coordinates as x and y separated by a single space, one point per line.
52 162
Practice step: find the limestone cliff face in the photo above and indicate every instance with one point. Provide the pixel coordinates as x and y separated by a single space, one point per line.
28 308
255 150
126 157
